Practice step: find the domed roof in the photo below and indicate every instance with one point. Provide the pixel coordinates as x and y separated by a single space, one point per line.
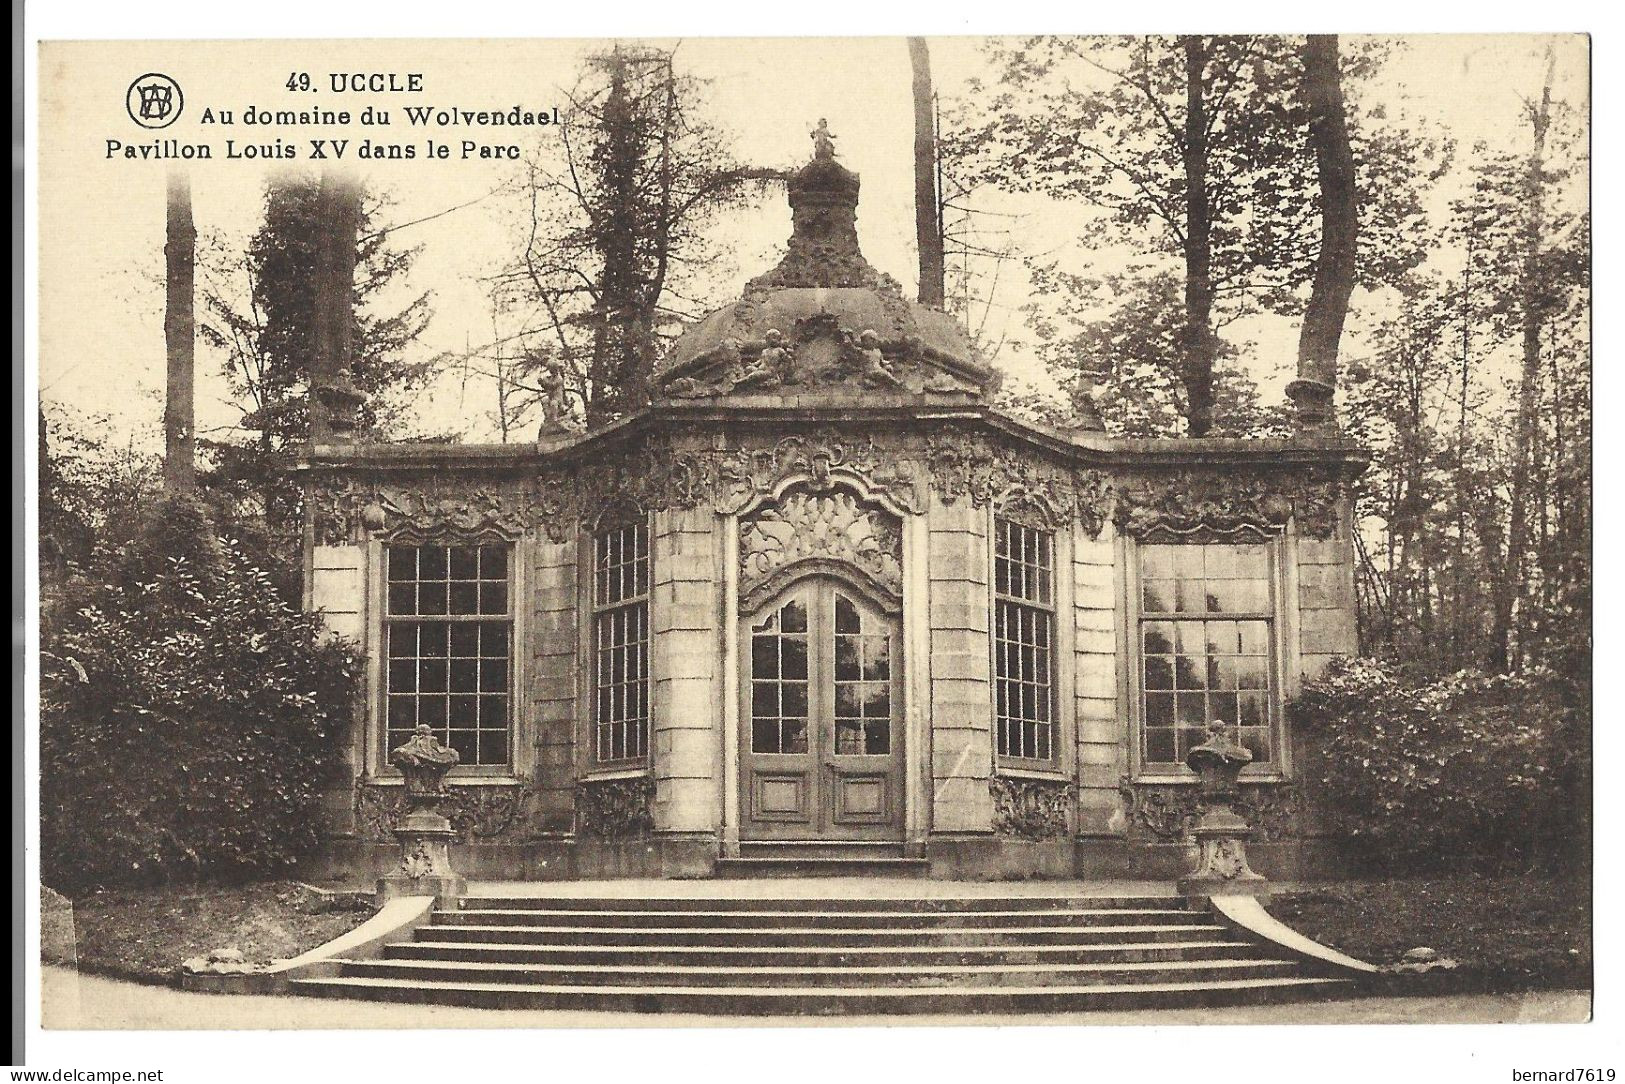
824 321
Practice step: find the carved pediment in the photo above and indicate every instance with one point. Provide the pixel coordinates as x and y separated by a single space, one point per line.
834 526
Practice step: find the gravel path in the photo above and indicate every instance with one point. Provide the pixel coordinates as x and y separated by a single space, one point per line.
91 1002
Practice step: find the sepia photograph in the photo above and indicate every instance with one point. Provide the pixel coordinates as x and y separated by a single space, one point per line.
1074 530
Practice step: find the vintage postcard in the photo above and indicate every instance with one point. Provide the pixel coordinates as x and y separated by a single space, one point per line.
1059 529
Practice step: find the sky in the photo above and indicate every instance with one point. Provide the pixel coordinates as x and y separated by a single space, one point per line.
102 221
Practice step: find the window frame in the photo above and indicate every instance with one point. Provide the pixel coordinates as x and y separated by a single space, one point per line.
592 767
374 753
1282 634
1026 515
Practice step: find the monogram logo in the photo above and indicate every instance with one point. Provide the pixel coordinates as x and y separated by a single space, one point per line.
154 100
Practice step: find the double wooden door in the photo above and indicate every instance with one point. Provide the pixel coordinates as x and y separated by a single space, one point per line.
822 748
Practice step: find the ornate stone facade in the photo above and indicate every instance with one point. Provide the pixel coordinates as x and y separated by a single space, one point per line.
1191 499
489 813
1165 812
834 526
349 507
981 469
611 809
1033 809
815 428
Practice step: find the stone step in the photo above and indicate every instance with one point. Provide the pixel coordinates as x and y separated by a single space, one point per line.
819 848
826 937
838 919
1053 973
798 865
798 1001
862 956
896 904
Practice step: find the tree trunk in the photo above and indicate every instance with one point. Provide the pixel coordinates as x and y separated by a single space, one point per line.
619 359
1199 344
927 223
180 472
1339 234
1525 466
1458 572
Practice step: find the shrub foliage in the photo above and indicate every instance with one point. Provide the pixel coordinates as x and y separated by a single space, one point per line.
1468 771
186 711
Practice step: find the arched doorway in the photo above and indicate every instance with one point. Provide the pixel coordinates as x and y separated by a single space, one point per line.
821 740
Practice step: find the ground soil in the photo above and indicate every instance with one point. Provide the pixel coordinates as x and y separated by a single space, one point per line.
1505 933
145 933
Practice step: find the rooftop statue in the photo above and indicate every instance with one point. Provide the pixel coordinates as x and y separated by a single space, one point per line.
823 140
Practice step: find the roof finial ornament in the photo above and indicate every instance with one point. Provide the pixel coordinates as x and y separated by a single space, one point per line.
823 141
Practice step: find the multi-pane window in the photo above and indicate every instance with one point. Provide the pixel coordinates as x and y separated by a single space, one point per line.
862 682
621 643
778 685
1206 630
1024 641
448 636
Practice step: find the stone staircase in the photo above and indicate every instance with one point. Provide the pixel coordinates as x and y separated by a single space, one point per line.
795 858
813 954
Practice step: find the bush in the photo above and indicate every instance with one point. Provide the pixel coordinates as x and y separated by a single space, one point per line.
186 711
1472 770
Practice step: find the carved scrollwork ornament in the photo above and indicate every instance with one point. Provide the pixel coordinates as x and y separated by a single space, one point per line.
1033 809
1193 501
1037 492
667 473
475 812
835 525
351 509
612 809
1166 812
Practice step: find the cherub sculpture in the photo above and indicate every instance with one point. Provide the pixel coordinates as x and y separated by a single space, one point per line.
871 363
773 366
823 141
551 382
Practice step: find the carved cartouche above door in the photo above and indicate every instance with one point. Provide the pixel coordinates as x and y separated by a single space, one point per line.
804 528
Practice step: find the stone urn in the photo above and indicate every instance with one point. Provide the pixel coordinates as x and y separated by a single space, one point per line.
424 833
341 401
1221 832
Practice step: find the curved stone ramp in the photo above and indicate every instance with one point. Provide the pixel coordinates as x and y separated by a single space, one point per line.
1247 914
394 920
814 954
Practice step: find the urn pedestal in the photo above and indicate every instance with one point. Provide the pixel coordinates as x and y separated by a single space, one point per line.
1221 832
424 833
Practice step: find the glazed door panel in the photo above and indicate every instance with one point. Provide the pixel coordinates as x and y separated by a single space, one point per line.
821 749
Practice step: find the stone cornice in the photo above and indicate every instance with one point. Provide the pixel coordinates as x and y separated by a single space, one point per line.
734 460
784 414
